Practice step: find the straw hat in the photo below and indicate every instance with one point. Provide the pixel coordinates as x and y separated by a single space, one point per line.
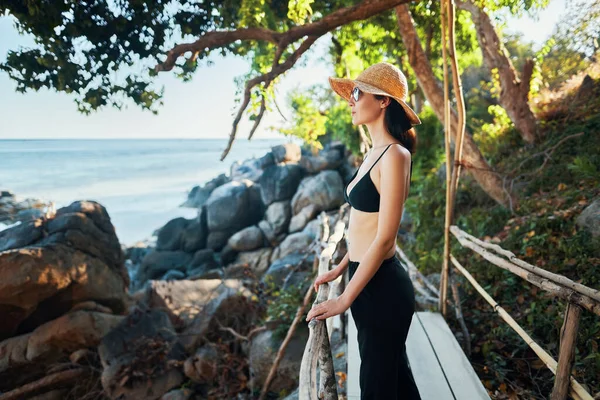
381 78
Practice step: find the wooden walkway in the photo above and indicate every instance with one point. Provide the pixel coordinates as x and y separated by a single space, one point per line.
440 367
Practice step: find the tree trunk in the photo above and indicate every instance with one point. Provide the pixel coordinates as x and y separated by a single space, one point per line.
485 176
514 92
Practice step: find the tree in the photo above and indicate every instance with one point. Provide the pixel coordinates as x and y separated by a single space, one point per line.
476 164
514 94
81 46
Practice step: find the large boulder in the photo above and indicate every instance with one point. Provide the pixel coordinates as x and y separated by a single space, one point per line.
300 220
327 159
233 206
169 236
54 339
324 190
294 243
198 195
264 349
283 269
251 169
278 216
202 260
247 239
14 209
285 153
202 367
157 263
226 302
589 219
51 264
257 262
184 234
183 300
138 357
279 182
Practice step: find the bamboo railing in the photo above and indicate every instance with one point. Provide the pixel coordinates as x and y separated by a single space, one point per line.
578 297
317 352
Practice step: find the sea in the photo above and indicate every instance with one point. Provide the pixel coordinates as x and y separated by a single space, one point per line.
140 182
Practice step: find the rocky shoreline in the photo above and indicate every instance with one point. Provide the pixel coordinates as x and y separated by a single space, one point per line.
183 315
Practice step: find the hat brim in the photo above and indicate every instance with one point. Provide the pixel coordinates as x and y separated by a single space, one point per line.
344 86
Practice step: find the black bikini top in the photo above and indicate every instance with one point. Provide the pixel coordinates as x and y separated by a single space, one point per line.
364 195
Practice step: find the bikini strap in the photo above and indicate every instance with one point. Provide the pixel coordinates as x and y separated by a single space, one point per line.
381 155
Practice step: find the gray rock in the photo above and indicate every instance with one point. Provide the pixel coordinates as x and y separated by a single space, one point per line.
202 367
324 190
278 215
247 239
185 299
288 152
228 254
589 219
230 303
294 243
206 273
204 258
234 206
21 235
55 339
216 240
298 280
300 220
268 232
198 195
139 352
327 159
250 169
281 268
169 236
184 234
173 275
157 263
313 229
178 394
263 351
279 182
194 236
257 261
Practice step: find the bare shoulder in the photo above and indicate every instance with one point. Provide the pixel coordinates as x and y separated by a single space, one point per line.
396 158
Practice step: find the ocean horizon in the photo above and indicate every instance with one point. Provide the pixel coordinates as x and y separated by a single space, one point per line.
141 182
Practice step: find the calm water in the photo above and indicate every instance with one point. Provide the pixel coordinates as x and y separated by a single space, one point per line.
141 182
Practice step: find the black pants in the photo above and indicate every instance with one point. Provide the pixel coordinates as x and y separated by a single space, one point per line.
383 312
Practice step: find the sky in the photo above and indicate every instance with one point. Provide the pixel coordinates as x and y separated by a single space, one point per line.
201 108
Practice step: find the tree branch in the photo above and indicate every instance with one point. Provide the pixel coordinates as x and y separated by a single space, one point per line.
311 32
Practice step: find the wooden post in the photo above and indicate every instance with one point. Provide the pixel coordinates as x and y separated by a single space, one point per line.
566 355
447 132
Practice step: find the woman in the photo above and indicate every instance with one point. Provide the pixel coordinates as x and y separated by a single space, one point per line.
380 294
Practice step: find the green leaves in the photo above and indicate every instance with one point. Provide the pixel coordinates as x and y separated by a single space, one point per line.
299 11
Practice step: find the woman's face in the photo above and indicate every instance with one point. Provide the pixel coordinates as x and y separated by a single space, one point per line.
366 109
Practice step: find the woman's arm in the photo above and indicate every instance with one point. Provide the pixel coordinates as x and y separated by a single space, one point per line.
341 267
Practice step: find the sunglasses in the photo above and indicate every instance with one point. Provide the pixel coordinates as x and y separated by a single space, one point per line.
356 92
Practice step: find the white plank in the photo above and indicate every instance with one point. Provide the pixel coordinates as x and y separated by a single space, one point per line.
353 359
424 365
459 372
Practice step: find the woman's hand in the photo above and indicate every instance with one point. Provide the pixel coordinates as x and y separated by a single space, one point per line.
328 309
326 277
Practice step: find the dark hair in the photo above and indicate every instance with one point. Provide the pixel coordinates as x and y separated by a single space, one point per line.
398 124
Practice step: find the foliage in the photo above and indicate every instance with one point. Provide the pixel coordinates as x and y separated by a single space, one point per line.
282 306
573 44
309 122
103 52
543 232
